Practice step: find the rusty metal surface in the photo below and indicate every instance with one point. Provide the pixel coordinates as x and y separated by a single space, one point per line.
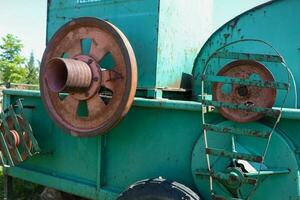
104 111
13 140
236 131
240 156
250 96
65 75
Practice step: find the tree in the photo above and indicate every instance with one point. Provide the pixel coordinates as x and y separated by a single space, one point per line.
32 76
11 62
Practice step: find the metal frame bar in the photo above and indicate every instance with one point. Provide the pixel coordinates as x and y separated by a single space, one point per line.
237 131
247 82
247 56
228 154
267 111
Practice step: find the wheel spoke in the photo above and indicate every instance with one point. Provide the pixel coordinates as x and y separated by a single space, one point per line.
70 106
108 77
97 51
95 104
75 49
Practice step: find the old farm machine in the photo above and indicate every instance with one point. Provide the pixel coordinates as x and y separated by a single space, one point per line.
134 104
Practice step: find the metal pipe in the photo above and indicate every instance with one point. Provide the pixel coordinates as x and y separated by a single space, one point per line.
68 75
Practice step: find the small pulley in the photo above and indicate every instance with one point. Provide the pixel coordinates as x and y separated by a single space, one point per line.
17 141
248 95
13 140
88 77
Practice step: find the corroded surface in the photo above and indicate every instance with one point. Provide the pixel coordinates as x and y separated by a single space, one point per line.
244 94
110 94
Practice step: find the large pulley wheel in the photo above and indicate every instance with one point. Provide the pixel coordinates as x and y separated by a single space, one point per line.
244 94
82 95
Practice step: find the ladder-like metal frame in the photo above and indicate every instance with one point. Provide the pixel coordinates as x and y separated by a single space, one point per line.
209 151
14 111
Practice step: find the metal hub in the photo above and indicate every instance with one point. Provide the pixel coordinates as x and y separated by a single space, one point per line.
82 96
235 178
80 76
242 94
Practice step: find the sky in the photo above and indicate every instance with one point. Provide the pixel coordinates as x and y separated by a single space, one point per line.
26 19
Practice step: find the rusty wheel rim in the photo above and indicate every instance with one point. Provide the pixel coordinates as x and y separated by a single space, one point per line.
241 94
15 138
103 112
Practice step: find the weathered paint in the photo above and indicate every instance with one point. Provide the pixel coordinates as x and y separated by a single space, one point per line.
262 35
264 23
91 166
161 137
152 27
104 166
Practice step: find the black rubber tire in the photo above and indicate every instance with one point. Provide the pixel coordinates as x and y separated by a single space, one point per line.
158 189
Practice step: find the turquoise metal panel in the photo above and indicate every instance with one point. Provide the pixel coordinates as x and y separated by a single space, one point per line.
277 182
93 167
137 19
158 136
159 31
155 139
267 23
183 29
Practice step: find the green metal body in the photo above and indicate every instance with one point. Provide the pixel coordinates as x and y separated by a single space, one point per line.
151 26
156 143
164 137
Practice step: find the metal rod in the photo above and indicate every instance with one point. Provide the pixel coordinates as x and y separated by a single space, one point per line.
240 81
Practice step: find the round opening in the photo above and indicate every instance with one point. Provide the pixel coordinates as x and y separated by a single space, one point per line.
57 74
242 91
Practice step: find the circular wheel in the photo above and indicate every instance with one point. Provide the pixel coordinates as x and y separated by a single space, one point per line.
158 189
13 140
280 155
88 77
243 94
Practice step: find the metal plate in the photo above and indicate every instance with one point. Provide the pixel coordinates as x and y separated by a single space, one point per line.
244 94
103 113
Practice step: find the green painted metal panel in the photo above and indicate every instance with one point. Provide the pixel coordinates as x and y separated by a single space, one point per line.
152 27
157 138
87 166
268 24
281 164
183 29
137 19
161 137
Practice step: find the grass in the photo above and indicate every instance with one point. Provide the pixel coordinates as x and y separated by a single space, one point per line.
22 190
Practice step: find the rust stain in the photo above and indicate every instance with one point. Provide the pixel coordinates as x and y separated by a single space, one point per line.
244 94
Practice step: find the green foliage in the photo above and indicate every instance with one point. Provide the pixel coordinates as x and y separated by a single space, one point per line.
11 48
32 75
13 66
10 72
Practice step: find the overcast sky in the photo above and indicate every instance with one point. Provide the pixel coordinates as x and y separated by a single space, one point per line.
27 19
